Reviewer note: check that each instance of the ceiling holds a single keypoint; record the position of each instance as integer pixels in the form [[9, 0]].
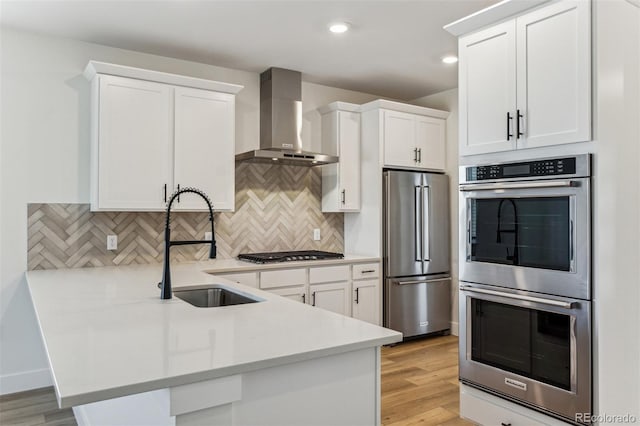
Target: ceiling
[[394, 47]]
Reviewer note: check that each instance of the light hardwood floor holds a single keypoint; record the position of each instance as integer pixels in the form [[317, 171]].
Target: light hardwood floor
[[419, 386]]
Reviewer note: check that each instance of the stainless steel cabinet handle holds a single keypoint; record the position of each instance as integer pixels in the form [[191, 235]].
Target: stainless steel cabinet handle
[[344, 191], [415, 155], [357, 295], [313, 299], [517, 185], [550, 302], [419, 155], [434, 280]]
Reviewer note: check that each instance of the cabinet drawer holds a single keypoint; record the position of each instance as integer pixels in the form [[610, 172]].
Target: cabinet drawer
[[296, 293], [283, 278], [327, 274], [366, 270], [245, 278]]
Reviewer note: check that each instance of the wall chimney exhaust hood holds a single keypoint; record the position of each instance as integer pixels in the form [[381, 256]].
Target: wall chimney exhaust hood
[[281, 122]]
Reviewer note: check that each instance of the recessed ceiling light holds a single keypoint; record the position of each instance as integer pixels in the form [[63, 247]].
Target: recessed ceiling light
[[450, 59], [339, 27]]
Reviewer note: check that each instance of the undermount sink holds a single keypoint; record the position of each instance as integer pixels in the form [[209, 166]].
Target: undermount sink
[[214, 296]]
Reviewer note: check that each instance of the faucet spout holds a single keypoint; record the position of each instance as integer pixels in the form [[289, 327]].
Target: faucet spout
[[165, 284]]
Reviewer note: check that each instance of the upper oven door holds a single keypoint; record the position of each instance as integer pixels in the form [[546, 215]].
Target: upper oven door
[[528, 235]]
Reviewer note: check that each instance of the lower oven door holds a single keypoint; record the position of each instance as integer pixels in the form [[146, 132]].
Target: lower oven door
[[531, 348]]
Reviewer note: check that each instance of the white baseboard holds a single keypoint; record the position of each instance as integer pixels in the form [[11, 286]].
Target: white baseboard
[[24, 381], [454, 328]]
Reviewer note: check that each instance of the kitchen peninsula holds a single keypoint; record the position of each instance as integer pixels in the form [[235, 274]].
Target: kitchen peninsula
[[113, 344]]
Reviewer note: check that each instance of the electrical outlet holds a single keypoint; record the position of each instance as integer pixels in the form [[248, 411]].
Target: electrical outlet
[[112, 242], [316, 234], [208, 236]]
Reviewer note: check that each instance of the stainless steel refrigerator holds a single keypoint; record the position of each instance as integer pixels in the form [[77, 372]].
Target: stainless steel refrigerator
[[417, 295]]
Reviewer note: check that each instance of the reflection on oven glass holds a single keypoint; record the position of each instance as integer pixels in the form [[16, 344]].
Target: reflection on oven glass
[[532, 232], [528, 342]]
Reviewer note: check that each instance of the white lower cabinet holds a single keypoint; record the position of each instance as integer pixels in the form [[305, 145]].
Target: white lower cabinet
[[299, 294], [346, 289], [366, 301], [333, 297]]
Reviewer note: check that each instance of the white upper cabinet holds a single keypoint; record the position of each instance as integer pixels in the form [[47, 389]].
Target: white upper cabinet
[[410, 136], [150, 134], [487, 90], [526, 82], [554, 74], [341, 137], [204, 146], [132, 164]]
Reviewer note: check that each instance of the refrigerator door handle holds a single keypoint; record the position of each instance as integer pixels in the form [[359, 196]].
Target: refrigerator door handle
[[434, 280], [426, 237], [418, 222]]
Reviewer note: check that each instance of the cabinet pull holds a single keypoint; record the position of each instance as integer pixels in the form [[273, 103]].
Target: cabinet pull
[[178, 194], [505, 424], [165, 192], [344, 191], [313, 299], [415, 155], [509, 118], [357, 295], [304, 296], [519, 116], [419, 155], [367, 271]]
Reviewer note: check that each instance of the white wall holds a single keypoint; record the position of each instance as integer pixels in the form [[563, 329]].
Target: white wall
[[448, 101], [44, 156], [617, 208]]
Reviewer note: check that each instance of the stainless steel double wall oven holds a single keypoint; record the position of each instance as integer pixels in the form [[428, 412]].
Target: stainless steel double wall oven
[[525, 282]]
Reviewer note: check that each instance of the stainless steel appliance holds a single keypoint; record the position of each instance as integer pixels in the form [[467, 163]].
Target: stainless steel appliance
[[286, 256], [525, 288], [281, 122], [417, 298], [527, 225]]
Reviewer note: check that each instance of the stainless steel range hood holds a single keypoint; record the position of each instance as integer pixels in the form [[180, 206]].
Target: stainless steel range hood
[[281, 122]]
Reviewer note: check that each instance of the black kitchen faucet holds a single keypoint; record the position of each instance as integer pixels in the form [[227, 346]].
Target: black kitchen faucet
[[165, 285]]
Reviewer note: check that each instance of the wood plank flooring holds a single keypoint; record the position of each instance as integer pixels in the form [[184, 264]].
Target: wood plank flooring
[[419, 386], [420, 383]]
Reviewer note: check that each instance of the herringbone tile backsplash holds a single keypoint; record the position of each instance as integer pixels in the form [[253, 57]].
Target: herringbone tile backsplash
[[277, 208]]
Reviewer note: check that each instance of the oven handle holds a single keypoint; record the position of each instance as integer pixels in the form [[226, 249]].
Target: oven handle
[[517, 185], [566, 305]]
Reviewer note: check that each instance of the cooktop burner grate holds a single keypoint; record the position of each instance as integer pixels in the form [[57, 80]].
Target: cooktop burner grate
[[286, 256]]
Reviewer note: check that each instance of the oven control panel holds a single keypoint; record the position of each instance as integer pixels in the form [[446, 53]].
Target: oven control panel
[[538, 168]]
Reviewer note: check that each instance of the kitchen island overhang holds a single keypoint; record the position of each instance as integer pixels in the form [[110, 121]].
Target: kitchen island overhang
[[108, 335]]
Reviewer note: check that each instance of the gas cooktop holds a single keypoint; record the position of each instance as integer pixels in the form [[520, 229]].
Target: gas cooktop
[[286, 256]]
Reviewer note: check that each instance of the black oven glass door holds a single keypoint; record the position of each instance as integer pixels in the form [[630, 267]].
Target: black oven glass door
[[533, 232], [528, 342]]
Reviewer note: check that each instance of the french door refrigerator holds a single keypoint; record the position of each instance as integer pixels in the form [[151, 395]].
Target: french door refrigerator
[[416, 295]]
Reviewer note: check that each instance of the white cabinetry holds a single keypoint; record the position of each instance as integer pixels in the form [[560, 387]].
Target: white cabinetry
[[341, 137], [366, 293], [526, 82], [151, 133], [329, 288], [411, 137]]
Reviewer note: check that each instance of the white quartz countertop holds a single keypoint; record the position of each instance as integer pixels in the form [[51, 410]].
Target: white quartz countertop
[[108, 334], [219, 266]]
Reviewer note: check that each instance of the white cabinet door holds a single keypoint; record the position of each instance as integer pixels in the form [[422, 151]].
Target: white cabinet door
[[487, 85], [294, 293], [366, 300], [204, 147], [332, 297], [349, 165], [341, 181], [554, 74], [134, 144], [430, 141], [399, 139]]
